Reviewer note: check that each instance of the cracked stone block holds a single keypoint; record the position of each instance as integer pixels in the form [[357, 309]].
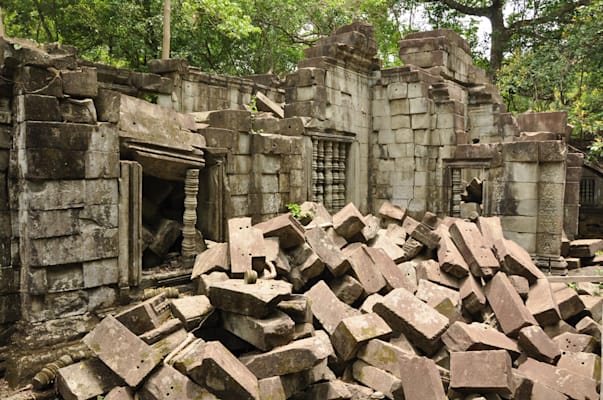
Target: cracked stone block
[[352, 332], [191, 310], [481, 372], [85, 380], [296, 356], [257, 300], [542, 304], [212, 259], [477, 336], [168, 383], [264, 333], [146, 316], [378, 380], [510, 311], [122, 351], [537, 345], [405, 313], [327, 308]]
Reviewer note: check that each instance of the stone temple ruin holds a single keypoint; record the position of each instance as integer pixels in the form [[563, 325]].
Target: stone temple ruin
[[108, 174]]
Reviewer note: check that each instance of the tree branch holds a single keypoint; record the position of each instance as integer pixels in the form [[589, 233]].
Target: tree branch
[[551, 16], [476, 11]]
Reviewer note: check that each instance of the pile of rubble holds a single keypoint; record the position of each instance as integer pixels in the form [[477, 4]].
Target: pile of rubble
[[352, 307]]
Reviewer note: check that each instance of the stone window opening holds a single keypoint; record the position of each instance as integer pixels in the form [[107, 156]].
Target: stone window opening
[[587, 191], [466, 191], [329, 163]]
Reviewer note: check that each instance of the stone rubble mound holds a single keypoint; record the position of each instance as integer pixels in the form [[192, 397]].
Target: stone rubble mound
[[352, 307]]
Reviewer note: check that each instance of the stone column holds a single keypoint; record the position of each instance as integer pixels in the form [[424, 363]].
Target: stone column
[[189, 219]]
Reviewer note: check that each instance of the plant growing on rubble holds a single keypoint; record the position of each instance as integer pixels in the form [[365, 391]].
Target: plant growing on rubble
[[296, 212]]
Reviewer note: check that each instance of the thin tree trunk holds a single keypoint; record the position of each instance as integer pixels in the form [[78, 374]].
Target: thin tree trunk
[[167, 11], [1, 24]]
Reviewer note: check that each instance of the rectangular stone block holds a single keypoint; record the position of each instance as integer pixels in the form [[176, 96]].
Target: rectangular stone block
[[348, 222], [34, 107], [405, 313], [378, 380], [542, 304], [286, 228], [191, 310], [100, 272], [327, 251], [80, 83], [122, 351], [393, 275], [467, 237], [85, 380], [510, 311], [481, 372], [256, 300], [352, 332], [327, 308], [476, 336], [450, 258], [387, 244], [245, 243], [146, 316], [364, 269], [537, 345], [264, 333], [168, 383]]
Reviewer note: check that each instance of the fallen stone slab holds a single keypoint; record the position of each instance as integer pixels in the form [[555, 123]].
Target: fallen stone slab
[[378, 380], [168, 383], [412, 248], [430, 270], [521, 285], [392, 212], [450, 258], [433, 294], [585, 364], [364, 269], [191, 310], [257, 300], [396, 234], [146, 316], [354, 331], [120, 393], [85, 380], [288, 230], [297, 307], [467, 237], [271, 388], [327, 251], [213, 259], [409, 269], [517, 261], [542, 304], [331, 390], [327, 308], [588, 326], [562, 380], [122, 351], [244, 243], [487, 371], [472, 295], [169, 343], [575, 342], [348, 222], [370, 229], [393, 275], [510, 311], [593, 305], [384, 242], [297, 356], [264, 333], [419, 322], [477, 336], [207, 280], [570, 304], [297, 383], [537, 345], [346, 288], [165, 329], [585, 247]]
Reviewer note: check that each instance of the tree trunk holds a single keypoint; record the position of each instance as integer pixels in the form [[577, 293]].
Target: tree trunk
[[167, 16], [499, 40]]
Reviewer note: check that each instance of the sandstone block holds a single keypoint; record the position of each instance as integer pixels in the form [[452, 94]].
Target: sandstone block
[[288, 229], [120, 393], [585, 247], [212, 259], [327, 251], [346, 288], [245, 244], [297, 307], [86, 379], [331, 390], [430, 270], [384, 242], [265, 333], [327, 308], [588, 326], [517, 261], [404, 313], [542, 304], [521, 285], [168, 383], [122, 351], [508, 307], [433, 294], [562, 380], [575, 342], [472, 295], [392, 211], [569, 302], [364, 269], [256, 300], [296, 356], [450, 258], [354, 331], [80, 83], [467, 237], [537, 345], [348, 222], [593, 304], [148, 315], [378, 380], [476, 336], [393, 275], [271, 388], [191, 310], [585, 364], [487, 371]]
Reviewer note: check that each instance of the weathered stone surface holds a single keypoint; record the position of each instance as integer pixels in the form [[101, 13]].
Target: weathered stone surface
[[80, 83], [212, 259], [118, 348], [537, 345], [467, 237], [404, 313], [419, 375], [542, 304], [521, 285], [472, 295], [430, 270], [569, 302], [588, 326], [223, 374], [327, 308], [586, 364], [168, 383], [585, 247], [245, 243], [562, 380], [256, 300], [155, 335], [575, 342], [364, 269], [265, 333], [288, 229], [348, 222], [80, 111], [449, 256], [85, 380], [120, 393], [331, 390], [508, 307], [425, 235], [378, 380], [433, 294], [191, 310], [297, 383], [387, 244], [346, 288], [594, 305], [297, 307], [207, 280], [170, 342], [145, 316], [327, 251], [394, 276], [297, 356], [516, 261], [271, 388], [476, 336], [392, 211], [352, 332], [482, 372]]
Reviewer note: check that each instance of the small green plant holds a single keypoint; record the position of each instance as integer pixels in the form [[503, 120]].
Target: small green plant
[[572, 285], [253, 106], [296, 212]]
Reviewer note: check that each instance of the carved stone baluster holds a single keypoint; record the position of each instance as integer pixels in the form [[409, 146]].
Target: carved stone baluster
[[321, 171], [314, 170], [343, 156], [189, 219]]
